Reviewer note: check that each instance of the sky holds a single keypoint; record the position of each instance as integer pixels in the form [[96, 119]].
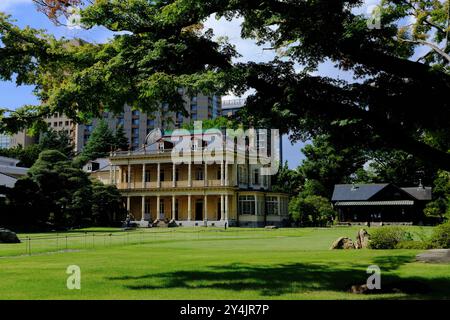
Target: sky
[[25, 13]]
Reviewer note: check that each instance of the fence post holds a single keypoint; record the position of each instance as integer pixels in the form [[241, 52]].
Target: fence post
[[29, 246]]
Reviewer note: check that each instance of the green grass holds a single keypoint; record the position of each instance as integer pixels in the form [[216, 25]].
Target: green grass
[[211, 263]]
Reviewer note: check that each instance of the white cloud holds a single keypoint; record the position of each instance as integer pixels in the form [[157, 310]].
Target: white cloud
[[8, 5]]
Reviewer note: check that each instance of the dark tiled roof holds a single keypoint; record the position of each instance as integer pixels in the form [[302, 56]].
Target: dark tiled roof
[[419, 193], [358, 192]]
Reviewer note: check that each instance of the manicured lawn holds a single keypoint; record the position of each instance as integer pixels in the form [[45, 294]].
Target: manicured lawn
[[211, 264]]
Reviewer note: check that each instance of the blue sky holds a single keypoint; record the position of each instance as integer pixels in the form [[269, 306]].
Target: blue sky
[[25, 13]]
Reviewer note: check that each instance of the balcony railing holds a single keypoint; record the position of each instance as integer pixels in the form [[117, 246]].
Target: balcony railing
[[167, 184]]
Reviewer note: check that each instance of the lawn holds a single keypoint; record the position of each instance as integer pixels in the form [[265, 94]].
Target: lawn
[[211, 264]]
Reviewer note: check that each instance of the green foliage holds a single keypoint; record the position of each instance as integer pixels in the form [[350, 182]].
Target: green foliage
[[159, 47], [311, 210], [440, 206], [121, 141], [49, 140], [286, 180], [400, 168], [57, 140], [65, 189], [56, 193], [327, 164], [411, 244], [440, 239], [216, 123], [388, 237], [101, 142], [107, 206], [27, 156]]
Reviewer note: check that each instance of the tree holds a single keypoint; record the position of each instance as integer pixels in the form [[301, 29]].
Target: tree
[[64, 192], [49, 140], [107, 205], [327, 164], [400, 168], [216, 123], [26, 156], [157, 51], [121, 141], [57, 140], [56, 194], [286, 180], [311, 210], [101, 142], [440, 206]]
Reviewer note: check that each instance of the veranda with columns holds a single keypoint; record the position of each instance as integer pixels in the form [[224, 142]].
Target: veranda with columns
[[195, 194], [154, 188]]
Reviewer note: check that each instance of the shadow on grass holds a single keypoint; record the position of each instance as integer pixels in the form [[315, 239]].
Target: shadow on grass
[[277, 280]]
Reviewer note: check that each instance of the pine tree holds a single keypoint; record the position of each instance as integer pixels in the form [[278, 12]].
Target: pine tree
[[99, 144], [121, 141]]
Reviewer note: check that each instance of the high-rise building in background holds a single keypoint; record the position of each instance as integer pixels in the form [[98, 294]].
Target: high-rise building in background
[[137, 124], [231, 106], [22, 139], [5, 141]]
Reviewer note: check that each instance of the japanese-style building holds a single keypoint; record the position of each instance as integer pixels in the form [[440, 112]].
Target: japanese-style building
[[380, 202]]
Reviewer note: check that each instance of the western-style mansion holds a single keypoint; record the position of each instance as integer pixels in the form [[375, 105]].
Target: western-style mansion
[[197, 193]]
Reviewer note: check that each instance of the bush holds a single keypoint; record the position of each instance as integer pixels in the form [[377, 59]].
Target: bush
[[311, 210], [410, 244], [388, 237], [440, 239]]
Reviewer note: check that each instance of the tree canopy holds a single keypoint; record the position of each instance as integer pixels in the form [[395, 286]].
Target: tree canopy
[[398, 98]]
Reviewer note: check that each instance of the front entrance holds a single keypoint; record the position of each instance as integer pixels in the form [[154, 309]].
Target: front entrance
[[219, 210], [161, 210], [199, 210]]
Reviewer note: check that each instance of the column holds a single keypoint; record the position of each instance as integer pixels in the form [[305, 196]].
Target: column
[[174, 170], [221, 174], [129, 176], [205, 180], [235, 173], [190, 175], [173, 207], [158, 214], [226, 207], [189, 208], [143, 176], [222, 207], [256, 205], [279, 205], [114, 173], [158, 173], [143, 208], [226, 174], [128, 203], [111, 174], [205, 200]]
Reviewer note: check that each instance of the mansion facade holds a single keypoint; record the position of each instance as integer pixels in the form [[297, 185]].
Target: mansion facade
[[154, 188]]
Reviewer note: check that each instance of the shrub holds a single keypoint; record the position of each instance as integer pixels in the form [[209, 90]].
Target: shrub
[[311, 210], [440, 239], [410, 244], [388, 237]]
